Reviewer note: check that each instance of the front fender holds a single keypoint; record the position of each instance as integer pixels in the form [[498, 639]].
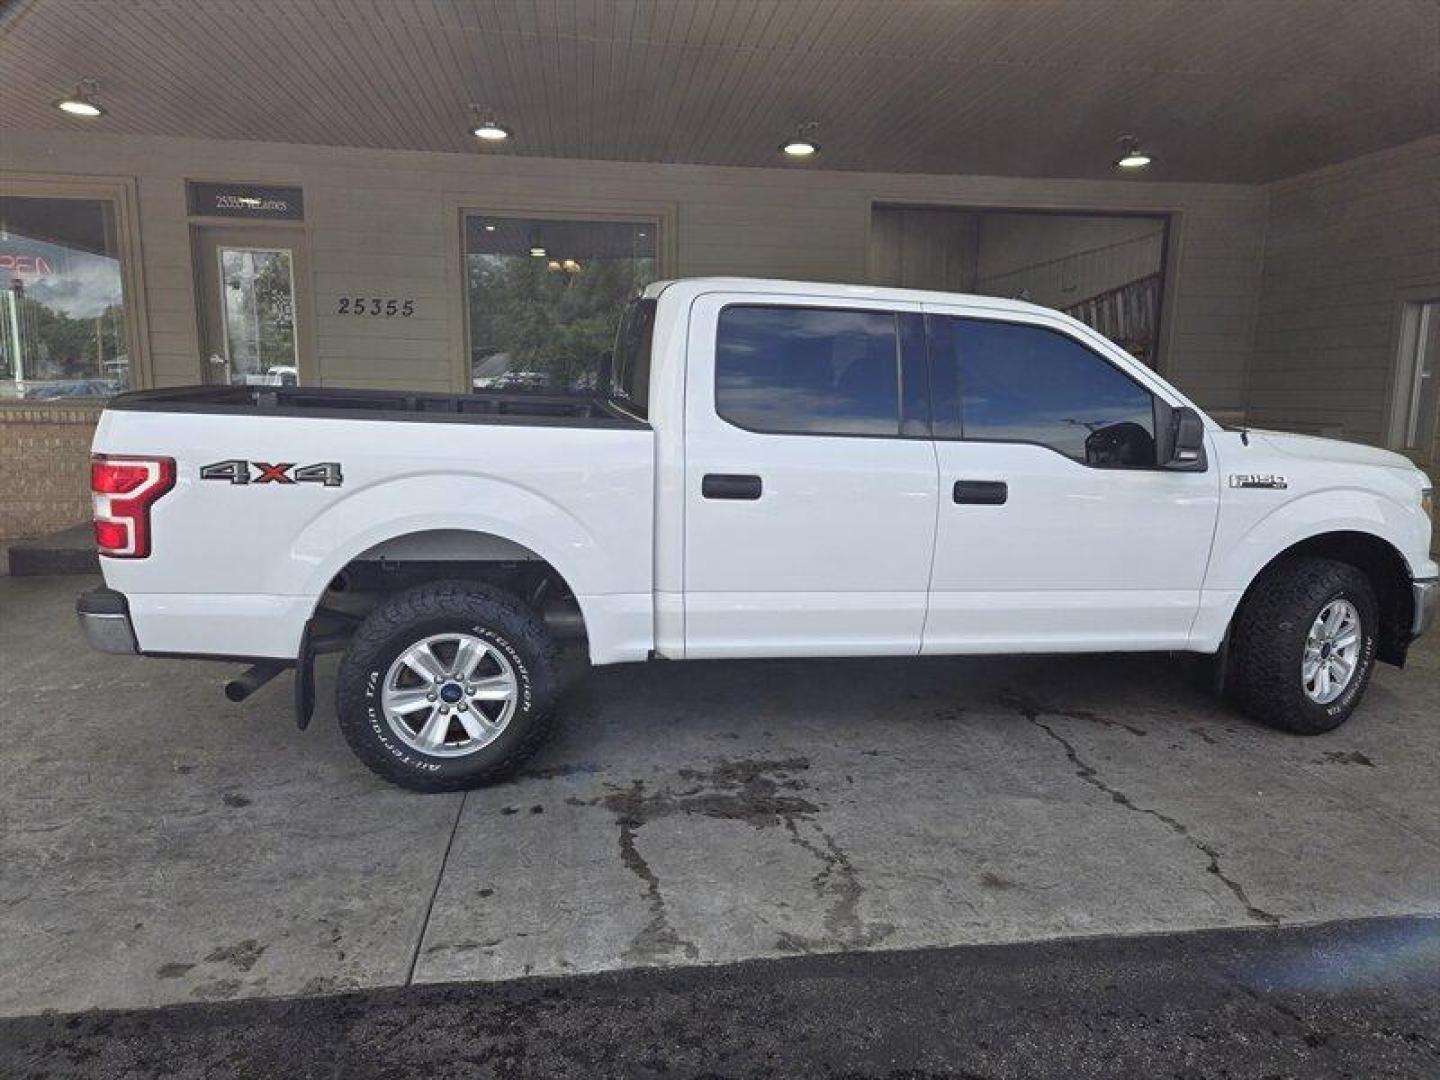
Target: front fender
[[1246, 543]]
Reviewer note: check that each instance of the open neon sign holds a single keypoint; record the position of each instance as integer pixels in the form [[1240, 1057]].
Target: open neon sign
[[22, 265]]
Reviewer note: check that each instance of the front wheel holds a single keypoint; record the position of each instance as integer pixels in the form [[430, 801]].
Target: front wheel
[[1303, 648], [447, 686]]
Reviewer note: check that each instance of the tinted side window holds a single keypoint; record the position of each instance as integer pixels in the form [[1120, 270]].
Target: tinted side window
[[808, 371], [1015, 383]]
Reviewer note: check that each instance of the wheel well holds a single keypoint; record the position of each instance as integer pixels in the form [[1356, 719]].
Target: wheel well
[[458, 555], [1385, 567]]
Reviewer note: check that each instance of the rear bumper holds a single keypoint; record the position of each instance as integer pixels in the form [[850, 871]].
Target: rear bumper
[[1426, 595], [105, 621]]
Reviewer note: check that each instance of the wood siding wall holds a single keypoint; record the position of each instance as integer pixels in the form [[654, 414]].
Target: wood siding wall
[[382, 223], [1341, 245]]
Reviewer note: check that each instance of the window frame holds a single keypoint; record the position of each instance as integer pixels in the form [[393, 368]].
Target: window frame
[[120, 192], [1160, 409], [911, 366]]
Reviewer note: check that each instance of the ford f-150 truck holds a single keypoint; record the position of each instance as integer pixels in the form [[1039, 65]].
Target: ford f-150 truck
[[767, 469]]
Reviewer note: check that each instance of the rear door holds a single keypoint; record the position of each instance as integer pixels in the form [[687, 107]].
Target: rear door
[[1057, 530], [810, 478]]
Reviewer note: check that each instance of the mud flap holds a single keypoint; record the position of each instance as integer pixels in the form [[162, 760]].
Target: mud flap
[[329, 631], [305, 680]]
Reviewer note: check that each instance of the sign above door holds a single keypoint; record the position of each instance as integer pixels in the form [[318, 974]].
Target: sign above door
[[245, 201]]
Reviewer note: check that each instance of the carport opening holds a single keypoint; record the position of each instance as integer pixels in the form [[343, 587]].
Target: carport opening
[[1105, 269]]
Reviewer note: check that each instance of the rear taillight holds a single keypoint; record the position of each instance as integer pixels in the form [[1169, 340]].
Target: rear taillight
[[123, 489]]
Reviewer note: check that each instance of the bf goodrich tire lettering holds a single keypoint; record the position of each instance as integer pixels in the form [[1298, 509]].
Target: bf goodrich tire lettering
[[426, 630], [1272, 632]]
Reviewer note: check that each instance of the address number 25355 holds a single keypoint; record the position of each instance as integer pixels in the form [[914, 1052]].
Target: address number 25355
[[381, 307]]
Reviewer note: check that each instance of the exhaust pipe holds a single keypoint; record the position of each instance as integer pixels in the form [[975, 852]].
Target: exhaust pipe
[[245, 684]]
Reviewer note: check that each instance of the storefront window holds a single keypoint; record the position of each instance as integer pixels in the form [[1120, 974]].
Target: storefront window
[[545, 297], [62, 317]]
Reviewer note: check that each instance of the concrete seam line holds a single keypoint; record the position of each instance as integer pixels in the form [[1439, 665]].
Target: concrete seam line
[[434, 892]]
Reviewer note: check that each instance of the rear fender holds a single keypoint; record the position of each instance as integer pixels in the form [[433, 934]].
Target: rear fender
[[447, 501]]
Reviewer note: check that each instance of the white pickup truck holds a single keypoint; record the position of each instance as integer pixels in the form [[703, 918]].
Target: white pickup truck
[[771, 469]]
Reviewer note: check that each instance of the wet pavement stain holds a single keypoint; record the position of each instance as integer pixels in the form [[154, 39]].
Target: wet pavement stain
[[1025, 704], [1344, 757], [242, 955], [761, 793]]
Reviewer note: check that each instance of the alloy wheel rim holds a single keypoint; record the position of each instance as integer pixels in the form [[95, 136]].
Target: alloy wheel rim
[[449, 695], [1332, 652]]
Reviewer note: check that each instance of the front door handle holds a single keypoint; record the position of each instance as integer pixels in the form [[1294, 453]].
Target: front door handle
[[730, 486], [981, 492]]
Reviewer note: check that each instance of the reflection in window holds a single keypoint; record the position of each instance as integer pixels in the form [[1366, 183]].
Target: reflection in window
[[259, 300], [1014, 383], [62, 317], [813, 371], [545, 297]]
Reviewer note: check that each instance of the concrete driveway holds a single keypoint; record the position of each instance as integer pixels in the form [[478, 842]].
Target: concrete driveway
[[159, 844]]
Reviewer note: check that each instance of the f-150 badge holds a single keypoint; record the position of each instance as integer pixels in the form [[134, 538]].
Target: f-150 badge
[[238, 471], [1270, 481]]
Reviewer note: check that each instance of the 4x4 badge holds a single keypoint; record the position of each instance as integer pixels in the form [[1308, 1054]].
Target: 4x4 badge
[[1258, 480], [237, 471]]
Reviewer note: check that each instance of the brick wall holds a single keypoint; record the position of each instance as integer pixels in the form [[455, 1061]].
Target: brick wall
[[44, 467]]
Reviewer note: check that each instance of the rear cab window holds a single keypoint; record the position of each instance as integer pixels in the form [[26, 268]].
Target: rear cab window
[[629, 386], [791, 370]]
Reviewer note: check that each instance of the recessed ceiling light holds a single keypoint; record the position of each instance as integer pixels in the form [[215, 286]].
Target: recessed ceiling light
[[802, 144], [490, 130], [82, 102], [1132, 156]]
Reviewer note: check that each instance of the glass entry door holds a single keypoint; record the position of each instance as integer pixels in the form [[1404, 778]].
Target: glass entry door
[[252, 282]]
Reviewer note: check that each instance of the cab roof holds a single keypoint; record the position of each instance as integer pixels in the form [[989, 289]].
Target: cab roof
[[840, 291]]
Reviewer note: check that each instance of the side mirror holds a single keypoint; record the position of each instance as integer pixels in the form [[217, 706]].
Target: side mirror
[[1186, 449]]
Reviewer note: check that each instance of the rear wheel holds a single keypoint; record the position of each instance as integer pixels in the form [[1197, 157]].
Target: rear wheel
[[447, 686], [1303, 648]]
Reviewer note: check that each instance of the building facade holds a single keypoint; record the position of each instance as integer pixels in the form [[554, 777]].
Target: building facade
[[1311, 303]]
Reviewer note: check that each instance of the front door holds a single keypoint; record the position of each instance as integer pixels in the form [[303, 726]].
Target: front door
[[809, 497], [253, 282], [1057, 532]]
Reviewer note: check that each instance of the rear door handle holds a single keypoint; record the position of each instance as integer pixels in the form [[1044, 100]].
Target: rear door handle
[[730, 486], [982, 492]]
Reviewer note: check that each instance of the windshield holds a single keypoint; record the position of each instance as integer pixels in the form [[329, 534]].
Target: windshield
[[630, 369]]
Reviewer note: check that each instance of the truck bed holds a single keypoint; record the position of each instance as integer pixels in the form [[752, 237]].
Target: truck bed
[[483, 407]]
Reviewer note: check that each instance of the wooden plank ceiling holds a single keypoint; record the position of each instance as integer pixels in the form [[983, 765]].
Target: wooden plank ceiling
[[1219, 90]]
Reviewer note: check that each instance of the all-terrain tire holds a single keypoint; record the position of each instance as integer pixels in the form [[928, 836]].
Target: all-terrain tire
[[493, 616], [1269, 637]]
